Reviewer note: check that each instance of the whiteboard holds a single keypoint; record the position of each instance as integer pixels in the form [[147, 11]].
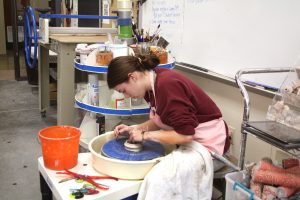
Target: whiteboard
[[225, 36]]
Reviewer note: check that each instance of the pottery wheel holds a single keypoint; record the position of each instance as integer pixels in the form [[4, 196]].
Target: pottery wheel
[[115, 149]]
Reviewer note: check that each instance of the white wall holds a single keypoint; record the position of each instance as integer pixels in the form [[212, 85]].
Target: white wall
[[230, 101], [2, 30]]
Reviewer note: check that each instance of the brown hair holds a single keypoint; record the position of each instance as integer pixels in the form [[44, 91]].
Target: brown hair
[[120, 67]]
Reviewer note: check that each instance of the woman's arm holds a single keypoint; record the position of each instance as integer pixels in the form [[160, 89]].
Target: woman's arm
[[166, 137], [147, 126], [123, 129]]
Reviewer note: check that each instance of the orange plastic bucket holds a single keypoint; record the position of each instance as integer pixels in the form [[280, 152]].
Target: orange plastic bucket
[[60, 146]]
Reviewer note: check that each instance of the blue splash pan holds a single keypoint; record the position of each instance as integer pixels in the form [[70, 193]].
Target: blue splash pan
[[115, 149]]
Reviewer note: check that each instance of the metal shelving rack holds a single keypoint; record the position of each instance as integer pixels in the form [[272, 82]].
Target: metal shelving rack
[[136, 110], [260, 129]]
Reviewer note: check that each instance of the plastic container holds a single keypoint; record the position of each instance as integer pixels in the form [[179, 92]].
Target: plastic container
[[103, 58], [136, 101], [60, 146], [161, 53], [119, 50], [77, 50], [104, 93], [117, 100], [93, 89], [235, 190], [83, 50], [125, 31]]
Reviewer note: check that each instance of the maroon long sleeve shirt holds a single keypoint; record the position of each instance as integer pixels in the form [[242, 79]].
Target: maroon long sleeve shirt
[[180, 103]]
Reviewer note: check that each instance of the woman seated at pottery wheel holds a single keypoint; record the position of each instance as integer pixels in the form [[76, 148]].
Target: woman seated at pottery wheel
[[181, 113]]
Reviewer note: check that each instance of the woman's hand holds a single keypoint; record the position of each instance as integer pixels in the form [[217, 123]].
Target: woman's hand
[[122, 130], [136, 135]]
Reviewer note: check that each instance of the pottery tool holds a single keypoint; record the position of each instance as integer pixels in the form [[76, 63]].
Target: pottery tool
[[162, 42], [154, 36], [157, 30], [142, 35], [155, 33], [135, 30], [89, 179]]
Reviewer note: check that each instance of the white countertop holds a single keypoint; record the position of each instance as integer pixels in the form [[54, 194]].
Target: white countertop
[[118, 189]]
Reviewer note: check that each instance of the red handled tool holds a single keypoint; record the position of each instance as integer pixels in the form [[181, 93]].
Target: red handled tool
[[89, 178]]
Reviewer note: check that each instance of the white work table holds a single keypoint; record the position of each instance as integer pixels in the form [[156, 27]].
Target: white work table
[[64, 46], [50, 181]]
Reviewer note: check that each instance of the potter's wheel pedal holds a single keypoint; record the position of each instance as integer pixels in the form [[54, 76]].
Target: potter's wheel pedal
[[115, 149]]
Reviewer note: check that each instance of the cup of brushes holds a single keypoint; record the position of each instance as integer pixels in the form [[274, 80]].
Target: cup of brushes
[[146, 48]]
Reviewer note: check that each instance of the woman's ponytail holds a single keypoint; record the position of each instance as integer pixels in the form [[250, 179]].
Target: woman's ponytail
[[149, 61], [120, 67]]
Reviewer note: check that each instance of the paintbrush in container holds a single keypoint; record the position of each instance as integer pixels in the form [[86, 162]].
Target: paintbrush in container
[[135, 31], [154, 36]]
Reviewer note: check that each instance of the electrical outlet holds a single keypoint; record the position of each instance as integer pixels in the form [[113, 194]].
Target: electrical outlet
[[231, 130]]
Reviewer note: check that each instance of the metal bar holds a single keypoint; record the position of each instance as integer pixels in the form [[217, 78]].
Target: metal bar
[[77, 30], [243, 143], [59, 16], [243, 89], [43, 71], [245, 95], [225, 161], [15, 39]]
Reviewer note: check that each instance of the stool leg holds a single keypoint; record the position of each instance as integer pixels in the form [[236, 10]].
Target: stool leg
[[223, 188], [220, 185], [45, 190]]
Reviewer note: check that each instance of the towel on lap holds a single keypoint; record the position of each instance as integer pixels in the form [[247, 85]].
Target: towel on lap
[[186, 173]]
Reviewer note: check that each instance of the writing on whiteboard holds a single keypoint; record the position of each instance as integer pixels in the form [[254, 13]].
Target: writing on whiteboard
[[165, 13]]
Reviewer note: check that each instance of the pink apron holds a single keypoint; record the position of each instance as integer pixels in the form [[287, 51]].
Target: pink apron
[[211, 134]]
